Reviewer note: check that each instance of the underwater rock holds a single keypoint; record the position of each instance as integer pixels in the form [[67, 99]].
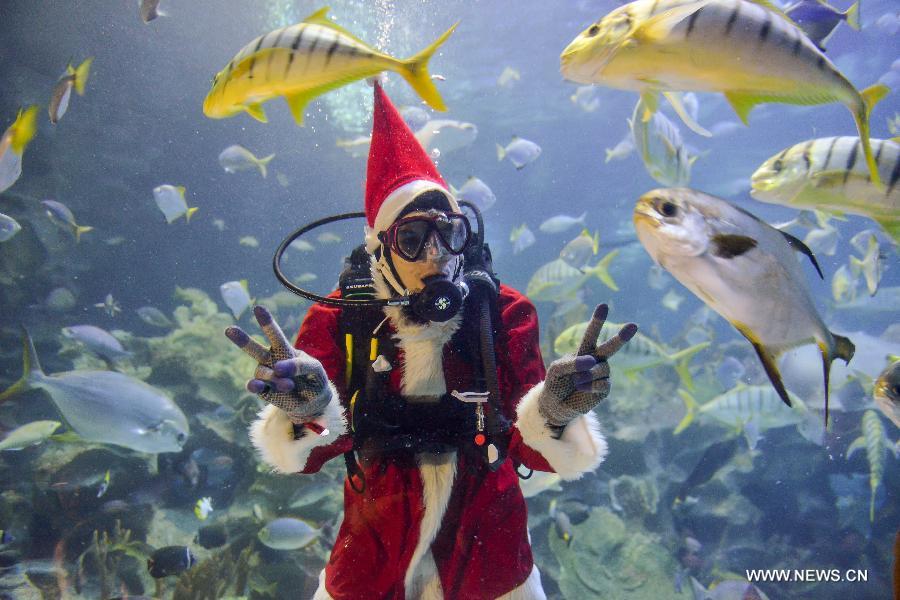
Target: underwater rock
[[609, 559], [634, 497]]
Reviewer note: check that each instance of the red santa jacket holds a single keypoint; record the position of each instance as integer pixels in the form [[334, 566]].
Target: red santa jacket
[[471, 522]]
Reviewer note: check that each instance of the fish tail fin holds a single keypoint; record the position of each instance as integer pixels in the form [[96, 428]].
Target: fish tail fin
[[682, 363], [891, 226], [601, 270], [691, 406], [852, 16], [262, 163], [870, 97], [31, 369], [415, 71], [24, 129], [501, 153], [79, 229], [872, 506], [844, 349], [190, 212], [81, 75]]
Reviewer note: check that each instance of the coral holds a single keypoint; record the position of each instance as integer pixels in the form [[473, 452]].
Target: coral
[[197, 352], [215, 577], [106, 552], [607, 559]]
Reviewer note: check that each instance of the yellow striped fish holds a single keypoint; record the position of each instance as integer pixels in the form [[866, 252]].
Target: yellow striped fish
[[304, 61], [875, 441], [746, 49], [752, 410], [826, 174], [644, 353]]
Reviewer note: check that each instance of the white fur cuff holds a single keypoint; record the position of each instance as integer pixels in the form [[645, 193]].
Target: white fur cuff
[[273, 435], [581, 448]]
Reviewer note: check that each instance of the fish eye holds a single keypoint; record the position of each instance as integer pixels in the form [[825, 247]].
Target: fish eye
[[778, 165], [668, 209], [181, 437], [594, 30]]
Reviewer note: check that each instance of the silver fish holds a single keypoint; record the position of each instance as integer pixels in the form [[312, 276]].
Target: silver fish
[[446, 135], [236, 158], [107, 407], [658, 142], [62, 217], [153, 316], [288, 534], [171, 202], [236, 297], [97, 340], [8, 228], [520, 152], [743, 269], [478, 193], [560, 223], [521, 238]]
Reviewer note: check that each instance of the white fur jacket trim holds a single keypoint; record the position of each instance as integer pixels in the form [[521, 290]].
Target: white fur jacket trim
[[579, 450], [273, 435]]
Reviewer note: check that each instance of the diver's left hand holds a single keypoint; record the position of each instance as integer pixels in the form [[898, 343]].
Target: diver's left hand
[[575, 384]]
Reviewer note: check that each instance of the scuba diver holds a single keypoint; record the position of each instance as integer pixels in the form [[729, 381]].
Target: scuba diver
[[425, 373]]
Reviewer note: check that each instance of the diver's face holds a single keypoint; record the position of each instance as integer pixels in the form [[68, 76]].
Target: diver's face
[[434, 259]]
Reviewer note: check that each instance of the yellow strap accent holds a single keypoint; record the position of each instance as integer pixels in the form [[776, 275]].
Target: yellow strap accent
[[348, 349], [373, 349], [353, 404]]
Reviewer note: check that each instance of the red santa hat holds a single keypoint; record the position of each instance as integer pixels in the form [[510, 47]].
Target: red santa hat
[[399, 170]]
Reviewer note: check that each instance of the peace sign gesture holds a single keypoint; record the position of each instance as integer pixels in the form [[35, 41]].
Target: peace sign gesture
[[576, 384], [289, 378]]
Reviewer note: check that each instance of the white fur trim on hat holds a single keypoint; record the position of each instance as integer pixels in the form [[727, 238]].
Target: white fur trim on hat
[[579, 450], [273, 435], [394, 204]]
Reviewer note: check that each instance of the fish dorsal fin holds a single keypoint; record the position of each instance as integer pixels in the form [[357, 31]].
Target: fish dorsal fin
[[659, 26], [320, 17], [674, 99], [726, 245], [772, 8], [799, 246]]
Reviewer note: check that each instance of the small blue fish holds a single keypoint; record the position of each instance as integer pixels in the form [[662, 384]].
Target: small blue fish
[[8, 227], [818, 20], [63, 218]]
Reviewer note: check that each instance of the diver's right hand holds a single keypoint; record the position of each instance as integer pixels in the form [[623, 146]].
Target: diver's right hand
[[286, 377]]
